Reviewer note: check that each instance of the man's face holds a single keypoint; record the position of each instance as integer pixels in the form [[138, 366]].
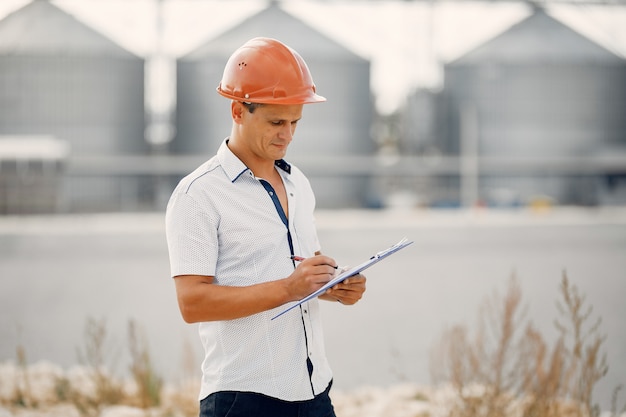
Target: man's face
[[269, 130]]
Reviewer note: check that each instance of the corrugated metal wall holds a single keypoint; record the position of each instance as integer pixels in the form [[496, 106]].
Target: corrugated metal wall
[[95, 103]]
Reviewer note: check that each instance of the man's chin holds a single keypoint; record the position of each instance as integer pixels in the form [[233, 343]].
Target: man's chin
[[280, 153]]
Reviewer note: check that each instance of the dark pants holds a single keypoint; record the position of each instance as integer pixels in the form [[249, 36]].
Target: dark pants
[[250, 404]]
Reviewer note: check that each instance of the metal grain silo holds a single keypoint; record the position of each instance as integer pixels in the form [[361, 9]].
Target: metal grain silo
[[539, 90], [328, 131], [60, 78]]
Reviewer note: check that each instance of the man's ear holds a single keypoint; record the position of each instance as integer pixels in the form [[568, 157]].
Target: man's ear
[[236, 111]]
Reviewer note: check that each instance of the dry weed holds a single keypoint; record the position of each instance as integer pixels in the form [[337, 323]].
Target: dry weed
[[508, 368], [148, 383]]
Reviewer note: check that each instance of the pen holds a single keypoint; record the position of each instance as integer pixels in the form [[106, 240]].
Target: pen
[[300, 259]]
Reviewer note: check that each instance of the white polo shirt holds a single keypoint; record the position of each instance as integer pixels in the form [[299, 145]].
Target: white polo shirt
[[221, 221]]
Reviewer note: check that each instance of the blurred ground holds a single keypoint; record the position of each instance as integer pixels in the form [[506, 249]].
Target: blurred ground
[[56, 272]]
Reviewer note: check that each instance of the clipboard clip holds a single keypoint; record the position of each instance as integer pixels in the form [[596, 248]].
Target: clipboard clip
[[390, 250]]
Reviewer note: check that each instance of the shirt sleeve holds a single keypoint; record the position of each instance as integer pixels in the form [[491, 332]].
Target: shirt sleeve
[[191, 237]]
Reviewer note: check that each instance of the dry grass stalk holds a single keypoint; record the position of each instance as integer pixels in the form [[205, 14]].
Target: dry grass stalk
[[95, 356], [22, 386], [587, 365], [148, 382]]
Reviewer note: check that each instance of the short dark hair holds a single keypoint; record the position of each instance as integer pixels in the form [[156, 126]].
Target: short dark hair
[[251, 106]]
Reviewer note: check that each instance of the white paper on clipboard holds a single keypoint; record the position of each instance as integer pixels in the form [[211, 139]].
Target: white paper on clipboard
[[350, 272]]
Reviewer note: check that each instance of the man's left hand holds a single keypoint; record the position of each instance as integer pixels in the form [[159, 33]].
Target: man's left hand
[[347, 292]]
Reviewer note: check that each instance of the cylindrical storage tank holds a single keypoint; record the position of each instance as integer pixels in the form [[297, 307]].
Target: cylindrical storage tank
[[539, 90], [60, 78], [328, 131]]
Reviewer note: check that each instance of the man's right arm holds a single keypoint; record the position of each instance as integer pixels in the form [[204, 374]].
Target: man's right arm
[[200, 299]]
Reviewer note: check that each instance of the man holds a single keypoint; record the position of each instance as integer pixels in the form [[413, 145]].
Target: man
[[233, 226]]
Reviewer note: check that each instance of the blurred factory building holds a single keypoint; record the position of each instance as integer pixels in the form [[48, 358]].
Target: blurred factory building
[[537, 113], [62, 80], [534, 114]]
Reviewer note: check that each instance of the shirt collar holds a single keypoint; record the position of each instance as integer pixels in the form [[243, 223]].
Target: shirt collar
[[234, 167], [284, 165]]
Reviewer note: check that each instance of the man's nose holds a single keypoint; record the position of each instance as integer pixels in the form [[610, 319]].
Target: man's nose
[[287, 132]]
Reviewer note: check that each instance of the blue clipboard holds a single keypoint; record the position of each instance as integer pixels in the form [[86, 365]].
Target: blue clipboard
[[350, 272]]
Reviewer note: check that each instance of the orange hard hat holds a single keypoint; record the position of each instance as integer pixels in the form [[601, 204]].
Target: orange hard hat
[[264, 70]]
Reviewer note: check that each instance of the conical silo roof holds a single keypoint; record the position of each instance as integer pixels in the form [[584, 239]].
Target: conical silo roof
[[539, 39], [274, 22], [42, 28]]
